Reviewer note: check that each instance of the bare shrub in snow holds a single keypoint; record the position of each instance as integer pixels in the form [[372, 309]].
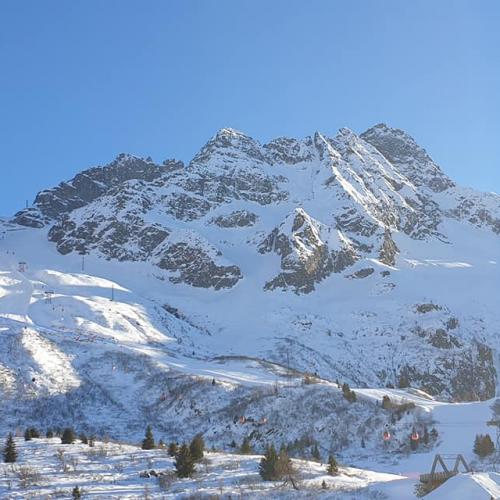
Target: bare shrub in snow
[[61, 458], [166, 480], [28, 476]]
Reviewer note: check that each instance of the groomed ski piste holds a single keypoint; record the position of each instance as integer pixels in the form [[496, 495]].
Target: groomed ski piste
[[98, 314]]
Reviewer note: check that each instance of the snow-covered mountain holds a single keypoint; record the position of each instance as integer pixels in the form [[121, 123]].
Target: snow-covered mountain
[[351, 257]]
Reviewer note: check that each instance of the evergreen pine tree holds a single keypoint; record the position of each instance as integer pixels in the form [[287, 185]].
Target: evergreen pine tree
[[27, 435], [268, 464], [403, 381], [386, 402], [363, 445], [333, 468], [483, 445], [197, 447], [68, 436], [348, 393], [487, 445], [323, 485], [148, 442], [172, 449], [345, 389], [184, 463], [161, 444], [49, 434], [83, 438], [315, 454], [76, 493], [35, 433], [477, 445], [284, 467], [426, 437], [9, 452], [245, 448]]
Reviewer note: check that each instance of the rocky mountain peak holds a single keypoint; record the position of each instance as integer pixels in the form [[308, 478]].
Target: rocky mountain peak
[[228, 146], [411, 159]]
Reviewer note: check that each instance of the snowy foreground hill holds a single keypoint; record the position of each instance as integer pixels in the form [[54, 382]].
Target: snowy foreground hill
[[248, 283]]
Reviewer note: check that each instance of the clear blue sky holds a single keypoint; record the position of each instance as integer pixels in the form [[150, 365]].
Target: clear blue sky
[[81, 81]]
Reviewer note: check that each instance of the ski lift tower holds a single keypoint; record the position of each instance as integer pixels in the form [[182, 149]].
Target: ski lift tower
[[21, 267], [48, 296]]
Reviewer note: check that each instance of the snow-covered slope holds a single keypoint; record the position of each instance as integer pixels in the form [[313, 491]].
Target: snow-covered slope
[[113, 471], [354, 258]]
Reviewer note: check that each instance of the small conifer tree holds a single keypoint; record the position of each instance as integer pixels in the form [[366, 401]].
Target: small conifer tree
[[348, 394], [172, 449], [197, 447], [386, 402], [487, 446], [10, 452], [35, 433], [148, 442], [83, 438], [68, 436], [76, 493], [184, 463], [315, 454], [333, 468], [426, 437], [27, 435], [49, 434], [245, 448], [483, 445], [268, 464]]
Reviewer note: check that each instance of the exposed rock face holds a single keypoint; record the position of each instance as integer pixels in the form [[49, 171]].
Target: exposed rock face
[[412, 160], [239, 218], [305, 258], [186, 207], [288, 151], [116, 239], [362, 273], [194, 266], [93, 183], [388, 250]]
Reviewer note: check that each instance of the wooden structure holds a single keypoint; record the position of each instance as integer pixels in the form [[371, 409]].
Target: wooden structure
[[446, 473]]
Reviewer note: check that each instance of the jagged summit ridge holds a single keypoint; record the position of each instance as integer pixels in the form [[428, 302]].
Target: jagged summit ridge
[[366, 187]]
